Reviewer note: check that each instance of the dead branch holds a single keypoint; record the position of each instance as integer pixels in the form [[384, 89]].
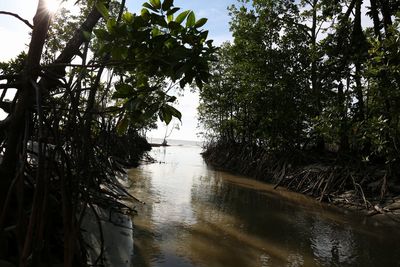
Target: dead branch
[[361, 191], [282, 176]]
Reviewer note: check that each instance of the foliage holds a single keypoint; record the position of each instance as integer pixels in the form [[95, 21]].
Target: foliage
[[88, 85], [307, 75]]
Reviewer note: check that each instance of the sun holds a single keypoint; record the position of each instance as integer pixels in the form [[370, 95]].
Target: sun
[[52, 5]]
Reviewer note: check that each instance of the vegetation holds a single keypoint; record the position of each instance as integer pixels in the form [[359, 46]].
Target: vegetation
[[89, 84], [306, 95]]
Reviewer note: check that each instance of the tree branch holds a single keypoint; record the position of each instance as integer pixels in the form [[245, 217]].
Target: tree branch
[[6, 106], [57, 69], [6, 77], [18, 17], [9, 85], [25, 101]]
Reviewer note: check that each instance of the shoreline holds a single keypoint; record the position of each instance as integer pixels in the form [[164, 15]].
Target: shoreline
[[314, 180], [158, 145]]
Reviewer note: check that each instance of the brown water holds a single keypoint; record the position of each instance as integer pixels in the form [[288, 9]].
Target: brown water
[[196, 216]]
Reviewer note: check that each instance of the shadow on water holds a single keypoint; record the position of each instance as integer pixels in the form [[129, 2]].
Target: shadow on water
[[195, 216]]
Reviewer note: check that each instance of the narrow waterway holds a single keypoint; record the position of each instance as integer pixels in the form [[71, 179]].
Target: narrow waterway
[[197, 216]]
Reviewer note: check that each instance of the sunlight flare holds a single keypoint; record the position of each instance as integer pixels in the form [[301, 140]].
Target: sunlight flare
[[52, 5]]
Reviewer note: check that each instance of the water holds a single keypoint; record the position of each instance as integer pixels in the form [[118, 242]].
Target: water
[[197, 216]]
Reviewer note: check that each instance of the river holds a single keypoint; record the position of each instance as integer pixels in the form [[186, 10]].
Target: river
[[197, 216]]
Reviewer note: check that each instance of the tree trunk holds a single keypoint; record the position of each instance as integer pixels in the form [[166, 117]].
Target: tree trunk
[[320, 142], [344, 140], [25, 98], [375, 18], [360, 46], [386, 14]]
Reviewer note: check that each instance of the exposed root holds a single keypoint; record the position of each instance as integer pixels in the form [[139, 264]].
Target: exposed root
[[348, 184]]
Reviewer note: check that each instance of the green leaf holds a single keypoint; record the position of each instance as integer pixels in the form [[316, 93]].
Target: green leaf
[[201, 22], [191, 20], [167, 112], [101, 34], [167, 117], [164, 116], [204, 35], [174, 112], [155, 3], [172, 11], [102, 9], [169, 43], [181, 17], [167, 4], [87, 35], [135, 104], [103, 49], [119, 52], [123, 91], [147, 5], [111, 24], [122, 125], [155, 32], [173, 25], [159, 20], [128, 17], [150, 111], [171, 99], [145, 14]]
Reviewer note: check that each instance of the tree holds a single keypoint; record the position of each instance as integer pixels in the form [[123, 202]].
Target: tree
[[260, 93], [307, 80], [60, 134]]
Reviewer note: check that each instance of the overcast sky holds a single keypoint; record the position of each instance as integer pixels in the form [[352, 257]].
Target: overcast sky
[[15, 38]]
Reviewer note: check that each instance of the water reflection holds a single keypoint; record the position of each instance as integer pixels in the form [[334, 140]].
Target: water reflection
[[196, 216]]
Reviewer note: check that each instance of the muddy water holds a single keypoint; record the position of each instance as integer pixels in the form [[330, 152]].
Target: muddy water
[[196, 216]]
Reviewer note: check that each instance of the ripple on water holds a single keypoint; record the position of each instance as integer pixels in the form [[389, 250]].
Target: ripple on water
[[196, 216]]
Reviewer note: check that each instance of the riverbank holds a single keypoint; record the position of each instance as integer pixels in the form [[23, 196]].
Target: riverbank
[[360, 187], [199, 216]]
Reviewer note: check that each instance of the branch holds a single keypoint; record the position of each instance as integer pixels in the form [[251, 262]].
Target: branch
[[71, 49], [7, 77], [350, 9], [9, 85], [302, 27], [6, 106], [121, 10], [73, 45], [4, 124], [18, 17]]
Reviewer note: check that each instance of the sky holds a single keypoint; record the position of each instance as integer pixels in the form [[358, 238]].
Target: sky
[[16, 38], [218, 25]]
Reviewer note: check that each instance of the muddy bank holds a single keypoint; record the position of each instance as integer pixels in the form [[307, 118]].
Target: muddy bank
[[353, 185]]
